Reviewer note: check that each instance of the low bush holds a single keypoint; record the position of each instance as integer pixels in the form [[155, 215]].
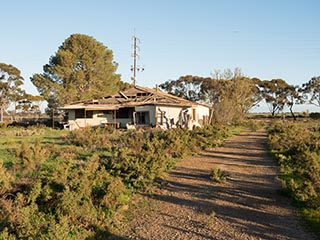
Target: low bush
[[314, 115], [254, 125], [14, 131], [73, 190], [218, 175], [296, 149]]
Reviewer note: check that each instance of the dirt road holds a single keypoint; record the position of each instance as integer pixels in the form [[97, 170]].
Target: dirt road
[[248, 205]]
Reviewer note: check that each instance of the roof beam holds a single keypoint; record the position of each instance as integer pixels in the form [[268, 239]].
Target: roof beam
[[123, 95]]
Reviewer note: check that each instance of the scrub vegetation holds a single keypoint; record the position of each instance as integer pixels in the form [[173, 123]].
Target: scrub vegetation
[[296, 147], [59, 185]]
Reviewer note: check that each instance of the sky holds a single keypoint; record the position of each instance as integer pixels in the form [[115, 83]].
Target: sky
[[265, 38]]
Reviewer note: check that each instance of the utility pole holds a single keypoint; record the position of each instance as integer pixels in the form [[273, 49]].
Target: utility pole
[[135, 56], [134, 59]]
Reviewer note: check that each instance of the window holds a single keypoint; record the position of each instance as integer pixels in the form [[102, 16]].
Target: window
[[142, 118], [124, 113], [89, 114], [79, 113]]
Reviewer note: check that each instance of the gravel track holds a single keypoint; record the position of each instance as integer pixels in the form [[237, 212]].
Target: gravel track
[[189, 205]]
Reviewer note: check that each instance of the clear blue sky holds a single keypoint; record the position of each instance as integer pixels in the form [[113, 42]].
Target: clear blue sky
[[265, 38]]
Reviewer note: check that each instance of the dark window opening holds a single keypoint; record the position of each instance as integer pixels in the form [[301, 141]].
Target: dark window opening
[[79, 113], [142, 118], [89, 114], [124, 113]]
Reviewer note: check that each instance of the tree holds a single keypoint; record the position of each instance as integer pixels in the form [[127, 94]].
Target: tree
[[231, 93], [82, 68], [30, 104], [312, 88], [187, 87], [293, 97], [10, 86], [275, 93]]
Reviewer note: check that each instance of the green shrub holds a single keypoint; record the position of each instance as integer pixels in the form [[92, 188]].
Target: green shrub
[[314, 115], [254, 125], [296, 149], [218, 175]]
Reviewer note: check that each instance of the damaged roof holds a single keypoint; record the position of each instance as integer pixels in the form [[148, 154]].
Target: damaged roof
[[131, 97]]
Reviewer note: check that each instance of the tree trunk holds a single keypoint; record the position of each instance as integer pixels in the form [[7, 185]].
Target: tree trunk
[[1, 114], [292, 113]]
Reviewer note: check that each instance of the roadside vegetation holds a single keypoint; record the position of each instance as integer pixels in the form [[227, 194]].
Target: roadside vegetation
[[59, 185], [296, 147], [218, 175]]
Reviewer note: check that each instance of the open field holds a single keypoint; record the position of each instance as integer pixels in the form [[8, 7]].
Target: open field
[[67, 185], [77, 185], [11, 138]]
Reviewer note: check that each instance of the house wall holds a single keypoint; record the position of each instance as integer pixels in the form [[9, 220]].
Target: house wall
[[98, 117], [84, 122], [201, 112], [71, 114], [199, 116], [196, 115], [169, 113]]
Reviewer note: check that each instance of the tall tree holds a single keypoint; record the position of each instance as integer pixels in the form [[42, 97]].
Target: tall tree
[[275, 93], [294, 97], [311, 91], [10, 86], [82, 68], [232, 94]]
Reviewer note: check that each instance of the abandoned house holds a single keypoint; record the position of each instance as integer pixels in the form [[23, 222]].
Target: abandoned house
[[137, 107]]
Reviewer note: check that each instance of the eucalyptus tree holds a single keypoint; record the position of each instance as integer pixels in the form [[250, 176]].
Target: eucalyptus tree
[[10, 86], [275, 92], [229, 92], [311, 91], [187, 87], [293, 97]]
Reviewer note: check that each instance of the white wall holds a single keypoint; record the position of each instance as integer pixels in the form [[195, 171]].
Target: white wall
[[96, 120], [84, 122], [202, 111], [170, 112]]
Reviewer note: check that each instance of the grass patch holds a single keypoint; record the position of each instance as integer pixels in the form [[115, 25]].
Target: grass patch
[[12, 138]]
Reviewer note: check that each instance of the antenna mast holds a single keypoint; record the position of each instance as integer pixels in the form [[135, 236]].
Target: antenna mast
[[135, 55]]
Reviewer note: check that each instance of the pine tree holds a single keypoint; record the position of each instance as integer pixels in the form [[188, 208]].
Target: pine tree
[[82, 68]]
